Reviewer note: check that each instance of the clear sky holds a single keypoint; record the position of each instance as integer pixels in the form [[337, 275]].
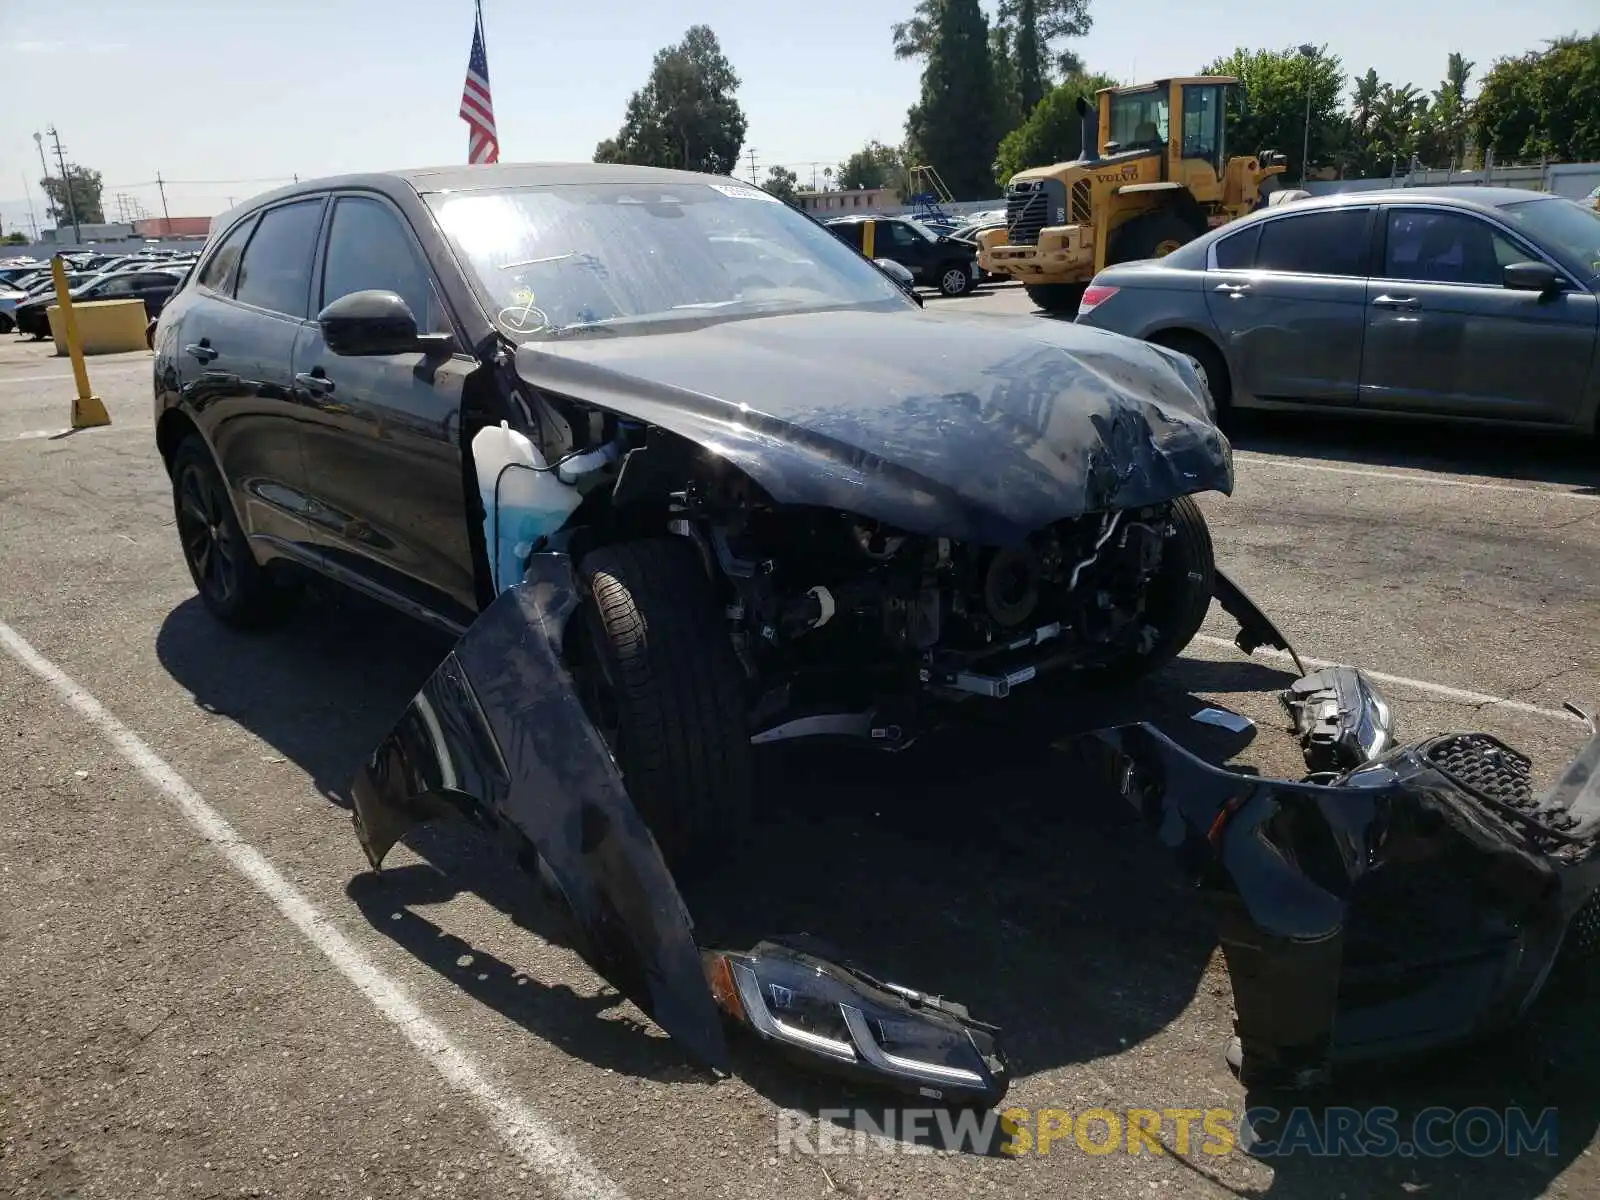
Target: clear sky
[[249, 93]]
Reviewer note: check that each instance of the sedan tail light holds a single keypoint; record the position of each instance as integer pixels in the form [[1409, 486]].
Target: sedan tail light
[[1094, 296]]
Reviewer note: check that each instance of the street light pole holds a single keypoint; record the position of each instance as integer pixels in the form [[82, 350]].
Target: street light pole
[[1310, 53]]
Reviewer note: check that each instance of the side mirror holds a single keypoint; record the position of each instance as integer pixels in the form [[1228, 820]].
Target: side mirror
[[1531, 277], [375, 323], [903, 277]]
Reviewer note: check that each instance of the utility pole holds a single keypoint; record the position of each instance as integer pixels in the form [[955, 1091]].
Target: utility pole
[[166, 217], [1309, 52], [28, 196], [44, 183], [753, 166], [66, 179]]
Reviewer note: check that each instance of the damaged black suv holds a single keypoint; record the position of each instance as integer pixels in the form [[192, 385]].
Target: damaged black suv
[[794, 502], [686, 476]]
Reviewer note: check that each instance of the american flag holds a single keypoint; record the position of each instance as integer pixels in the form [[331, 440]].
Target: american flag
[[477, 105]]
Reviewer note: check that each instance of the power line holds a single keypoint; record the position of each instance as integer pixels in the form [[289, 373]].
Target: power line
[[752, 153]]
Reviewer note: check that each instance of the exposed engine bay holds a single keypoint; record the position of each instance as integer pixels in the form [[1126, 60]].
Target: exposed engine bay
[[830, 602], [843, 622]]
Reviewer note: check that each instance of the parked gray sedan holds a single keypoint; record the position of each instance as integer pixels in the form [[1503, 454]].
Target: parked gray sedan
[[1475, 303]]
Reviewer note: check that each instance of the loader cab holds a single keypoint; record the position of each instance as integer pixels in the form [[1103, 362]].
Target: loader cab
[[1183, 120]]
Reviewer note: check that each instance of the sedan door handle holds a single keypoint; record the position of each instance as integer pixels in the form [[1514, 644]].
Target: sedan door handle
[[1233, 289], [314, 381], [201, 350], [1399, 302]]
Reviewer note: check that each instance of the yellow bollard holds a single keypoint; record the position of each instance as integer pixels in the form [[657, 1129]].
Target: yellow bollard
[[87, 410]]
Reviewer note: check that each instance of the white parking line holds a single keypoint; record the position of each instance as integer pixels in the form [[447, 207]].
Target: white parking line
[[1444, 691], [95, 369], [529, 1136], [1297, 464]]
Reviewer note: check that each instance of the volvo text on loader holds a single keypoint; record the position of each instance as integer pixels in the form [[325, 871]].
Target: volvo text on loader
[[1154, 173]]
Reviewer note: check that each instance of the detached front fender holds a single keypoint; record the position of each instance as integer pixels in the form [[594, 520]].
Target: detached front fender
[[499, 738]]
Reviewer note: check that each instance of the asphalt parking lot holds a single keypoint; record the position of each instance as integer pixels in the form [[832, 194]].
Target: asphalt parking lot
[[207, 994]]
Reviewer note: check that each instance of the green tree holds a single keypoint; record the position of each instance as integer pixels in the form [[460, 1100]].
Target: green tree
[[1053, 132], [1009, 112], [1039, 26], [1032, 29], [85, 197], [1544, 103], [1273, 115], [686, 115], [953, 124], [782, 183], [16, 238], [873, 166], [1398, 118]]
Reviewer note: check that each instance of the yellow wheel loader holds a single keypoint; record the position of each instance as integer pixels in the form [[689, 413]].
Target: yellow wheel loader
[[1154, 173]]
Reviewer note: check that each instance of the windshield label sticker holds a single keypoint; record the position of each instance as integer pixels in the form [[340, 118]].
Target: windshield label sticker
[[739, 192]]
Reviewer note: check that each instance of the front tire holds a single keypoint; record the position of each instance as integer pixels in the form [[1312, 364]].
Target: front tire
[[955, 280], [1176, 600], [1154, 235], [659, 678], [235, 589], [1057, 299]]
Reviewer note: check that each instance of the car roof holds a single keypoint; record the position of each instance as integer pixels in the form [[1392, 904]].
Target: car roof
[[431, 180], [1483, 198], [1476, 199]]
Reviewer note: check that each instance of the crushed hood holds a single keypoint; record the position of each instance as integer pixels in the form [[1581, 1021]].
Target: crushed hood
[[982, 428]]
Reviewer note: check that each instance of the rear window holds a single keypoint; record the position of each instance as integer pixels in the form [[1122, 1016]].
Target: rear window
[[218, 273], [1238, 251], [1316, 243]]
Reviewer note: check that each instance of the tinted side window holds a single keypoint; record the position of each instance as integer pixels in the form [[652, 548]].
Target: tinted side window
[[1238, 251], [117, 285], [370, 249], [275, 273], [848, 233], [900, 237], [1318, 243], [218, 273], [1445, 247]]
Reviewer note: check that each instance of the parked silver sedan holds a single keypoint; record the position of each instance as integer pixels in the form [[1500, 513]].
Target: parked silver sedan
[[1468, 303]]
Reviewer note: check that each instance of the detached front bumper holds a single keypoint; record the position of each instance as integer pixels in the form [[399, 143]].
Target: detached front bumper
[[1414, 898], [1395, 899]]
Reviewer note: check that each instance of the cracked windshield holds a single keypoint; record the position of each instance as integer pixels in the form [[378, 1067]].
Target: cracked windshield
[[577, 259]]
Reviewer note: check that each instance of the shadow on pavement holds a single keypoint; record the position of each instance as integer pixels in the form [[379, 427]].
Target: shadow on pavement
[[985, 864], [1500, 455]]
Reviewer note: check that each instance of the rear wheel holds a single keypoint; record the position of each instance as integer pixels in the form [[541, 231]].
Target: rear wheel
[[1154, 235], [1056, 298], [1209, 364], [235, 589], [659, 678], [1176, 600]]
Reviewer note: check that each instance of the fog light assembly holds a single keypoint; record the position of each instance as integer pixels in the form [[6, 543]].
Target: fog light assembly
[[837, 1019]]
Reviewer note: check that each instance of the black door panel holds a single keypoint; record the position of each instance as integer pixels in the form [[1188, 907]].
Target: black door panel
[[382, 435]]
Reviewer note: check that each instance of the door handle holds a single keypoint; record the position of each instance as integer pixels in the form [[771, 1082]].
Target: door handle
[[314, 381], [1233, 289], [1396, 302], [201, 350]]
